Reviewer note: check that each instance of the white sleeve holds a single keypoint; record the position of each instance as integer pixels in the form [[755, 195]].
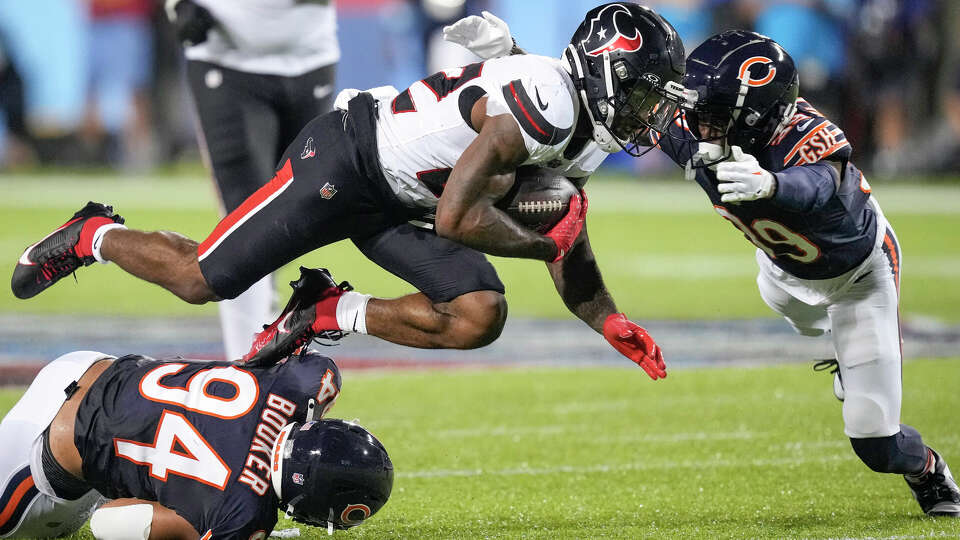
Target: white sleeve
[[543, 109]]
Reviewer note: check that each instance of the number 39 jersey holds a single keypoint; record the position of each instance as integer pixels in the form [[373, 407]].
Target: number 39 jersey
[[423, 131], [197, 436], [832, 232]]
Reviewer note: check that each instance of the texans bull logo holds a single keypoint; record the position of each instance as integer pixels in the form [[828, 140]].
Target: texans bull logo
[[618, 41], [309, 149]]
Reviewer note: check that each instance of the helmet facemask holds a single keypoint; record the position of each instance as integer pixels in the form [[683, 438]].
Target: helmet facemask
[[625, 108], [626, 63], [727, 125]]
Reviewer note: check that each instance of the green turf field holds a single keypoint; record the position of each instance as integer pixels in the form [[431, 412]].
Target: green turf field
[[664, 252], [706, 453]]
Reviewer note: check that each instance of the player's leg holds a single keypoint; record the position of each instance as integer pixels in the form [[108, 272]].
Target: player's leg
[[805, 319], [242, 137], [866, 335], [461, 303], [29, 508]]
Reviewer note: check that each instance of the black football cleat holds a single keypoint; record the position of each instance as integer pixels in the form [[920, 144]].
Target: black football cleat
[[56, 255], [309, 314], [936, 491]]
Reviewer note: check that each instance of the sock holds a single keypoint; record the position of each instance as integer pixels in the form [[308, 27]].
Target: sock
[[352, 312], [91, 237], [931, 462]]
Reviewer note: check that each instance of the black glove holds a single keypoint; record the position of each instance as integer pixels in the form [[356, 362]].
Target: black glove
[[191, 22]]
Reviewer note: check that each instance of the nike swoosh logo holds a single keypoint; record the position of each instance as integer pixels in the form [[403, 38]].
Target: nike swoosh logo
[[282, 327], [536, 92], [805, 125], [26, 261]]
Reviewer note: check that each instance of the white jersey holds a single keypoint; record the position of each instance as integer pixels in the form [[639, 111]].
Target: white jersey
[[271, 37], [423, 131]]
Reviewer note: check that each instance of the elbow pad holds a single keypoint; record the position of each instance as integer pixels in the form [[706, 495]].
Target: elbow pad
[[131, 522]]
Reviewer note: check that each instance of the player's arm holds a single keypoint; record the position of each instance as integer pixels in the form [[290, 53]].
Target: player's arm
[[125, 519], [482, 175], [802, 188], [579, 282], [805, 188]]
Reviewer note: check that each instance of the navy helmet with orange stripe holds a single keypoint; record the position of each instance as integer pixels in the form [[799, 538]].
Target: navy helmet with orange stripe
[[330, 473], [746, 86], [626, 62]]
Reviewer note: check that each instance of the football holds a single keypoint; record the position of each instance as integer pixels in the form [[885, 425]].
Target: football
[[538, 199]]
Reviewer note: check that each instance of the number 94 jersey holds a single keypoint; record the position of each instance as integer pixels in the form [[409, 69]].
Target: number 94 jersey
[[197, 436]]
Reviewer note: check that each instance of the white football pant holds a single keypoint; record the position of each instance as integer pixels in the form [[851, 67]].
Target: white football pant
[[860, 310], [28, 506]]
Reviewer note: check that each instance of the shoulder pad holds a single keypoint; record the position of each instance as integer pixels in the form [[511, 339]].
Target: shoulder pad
[[539, 95], [808, 137]]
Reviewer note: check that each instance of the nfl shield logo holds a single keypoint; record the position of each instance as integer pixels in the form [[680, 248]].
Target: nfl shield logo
[[298, 479], [328, 191]]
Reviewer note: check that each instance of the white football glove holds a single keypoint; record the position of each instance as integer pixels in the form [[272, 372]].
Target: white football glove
[[743, 179], [487, 36], [380, 93]]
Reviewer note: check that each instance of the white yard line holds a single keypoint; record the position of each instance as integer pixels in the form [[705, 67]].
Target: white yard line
[[623, 467], [665, 195], [564, 429]]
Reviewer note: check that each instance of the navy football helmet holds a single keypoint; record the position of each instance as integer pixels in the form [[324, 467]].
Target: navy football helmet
[[626, 63], [746, 86], [330, 473]]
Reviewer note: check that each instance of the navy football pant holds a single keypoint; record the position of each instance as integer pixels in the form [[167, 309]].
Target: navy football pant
[[319, 196]]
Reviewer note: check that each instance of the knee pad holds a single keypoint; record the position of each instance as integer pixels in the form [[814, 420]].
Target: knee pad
[[866, 417], [903, 453], [122, 522]]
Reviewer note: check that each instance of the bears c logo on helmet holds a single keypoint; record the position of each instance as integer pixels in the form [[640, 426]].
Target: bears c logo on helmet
[[617, 41], [347, 519], [745, 75]]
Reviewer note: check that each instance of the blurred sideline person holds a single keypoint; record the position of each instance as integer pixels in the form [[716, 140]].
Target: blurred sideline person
[[259, 71], [443, 151], [829, 261], [181, 449]]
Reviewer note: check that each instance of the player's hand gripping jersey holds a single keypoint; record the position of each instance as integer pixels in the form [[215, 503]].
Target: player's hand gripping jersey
[[197, 436], [423, 131], [818, 224]]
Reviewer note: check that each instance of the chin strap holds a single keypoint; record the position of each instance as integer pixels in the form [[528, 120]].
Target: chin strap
[[600, 134], [311, 410]]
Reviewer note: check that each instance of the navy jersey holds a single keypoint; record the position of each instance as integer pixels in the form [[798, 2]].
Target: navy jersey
[[818, 224], [197, 436]]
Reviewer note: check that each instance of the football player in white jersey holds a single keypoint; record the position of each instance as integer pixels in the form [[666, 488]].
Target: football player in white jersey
[[258, 70], [445, 149]]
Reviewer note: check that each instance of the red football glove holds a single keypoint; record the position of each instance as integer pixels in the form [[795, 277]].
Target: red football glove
[[635, 343], [566, 231]]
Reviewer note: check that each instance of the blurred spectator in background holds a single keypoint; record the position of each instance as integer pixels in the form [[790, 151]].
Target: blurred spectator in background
[[13, 127], [883, 68], [118, 128], [899, 46], [47, 42], [259, 71], [814, 33]]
